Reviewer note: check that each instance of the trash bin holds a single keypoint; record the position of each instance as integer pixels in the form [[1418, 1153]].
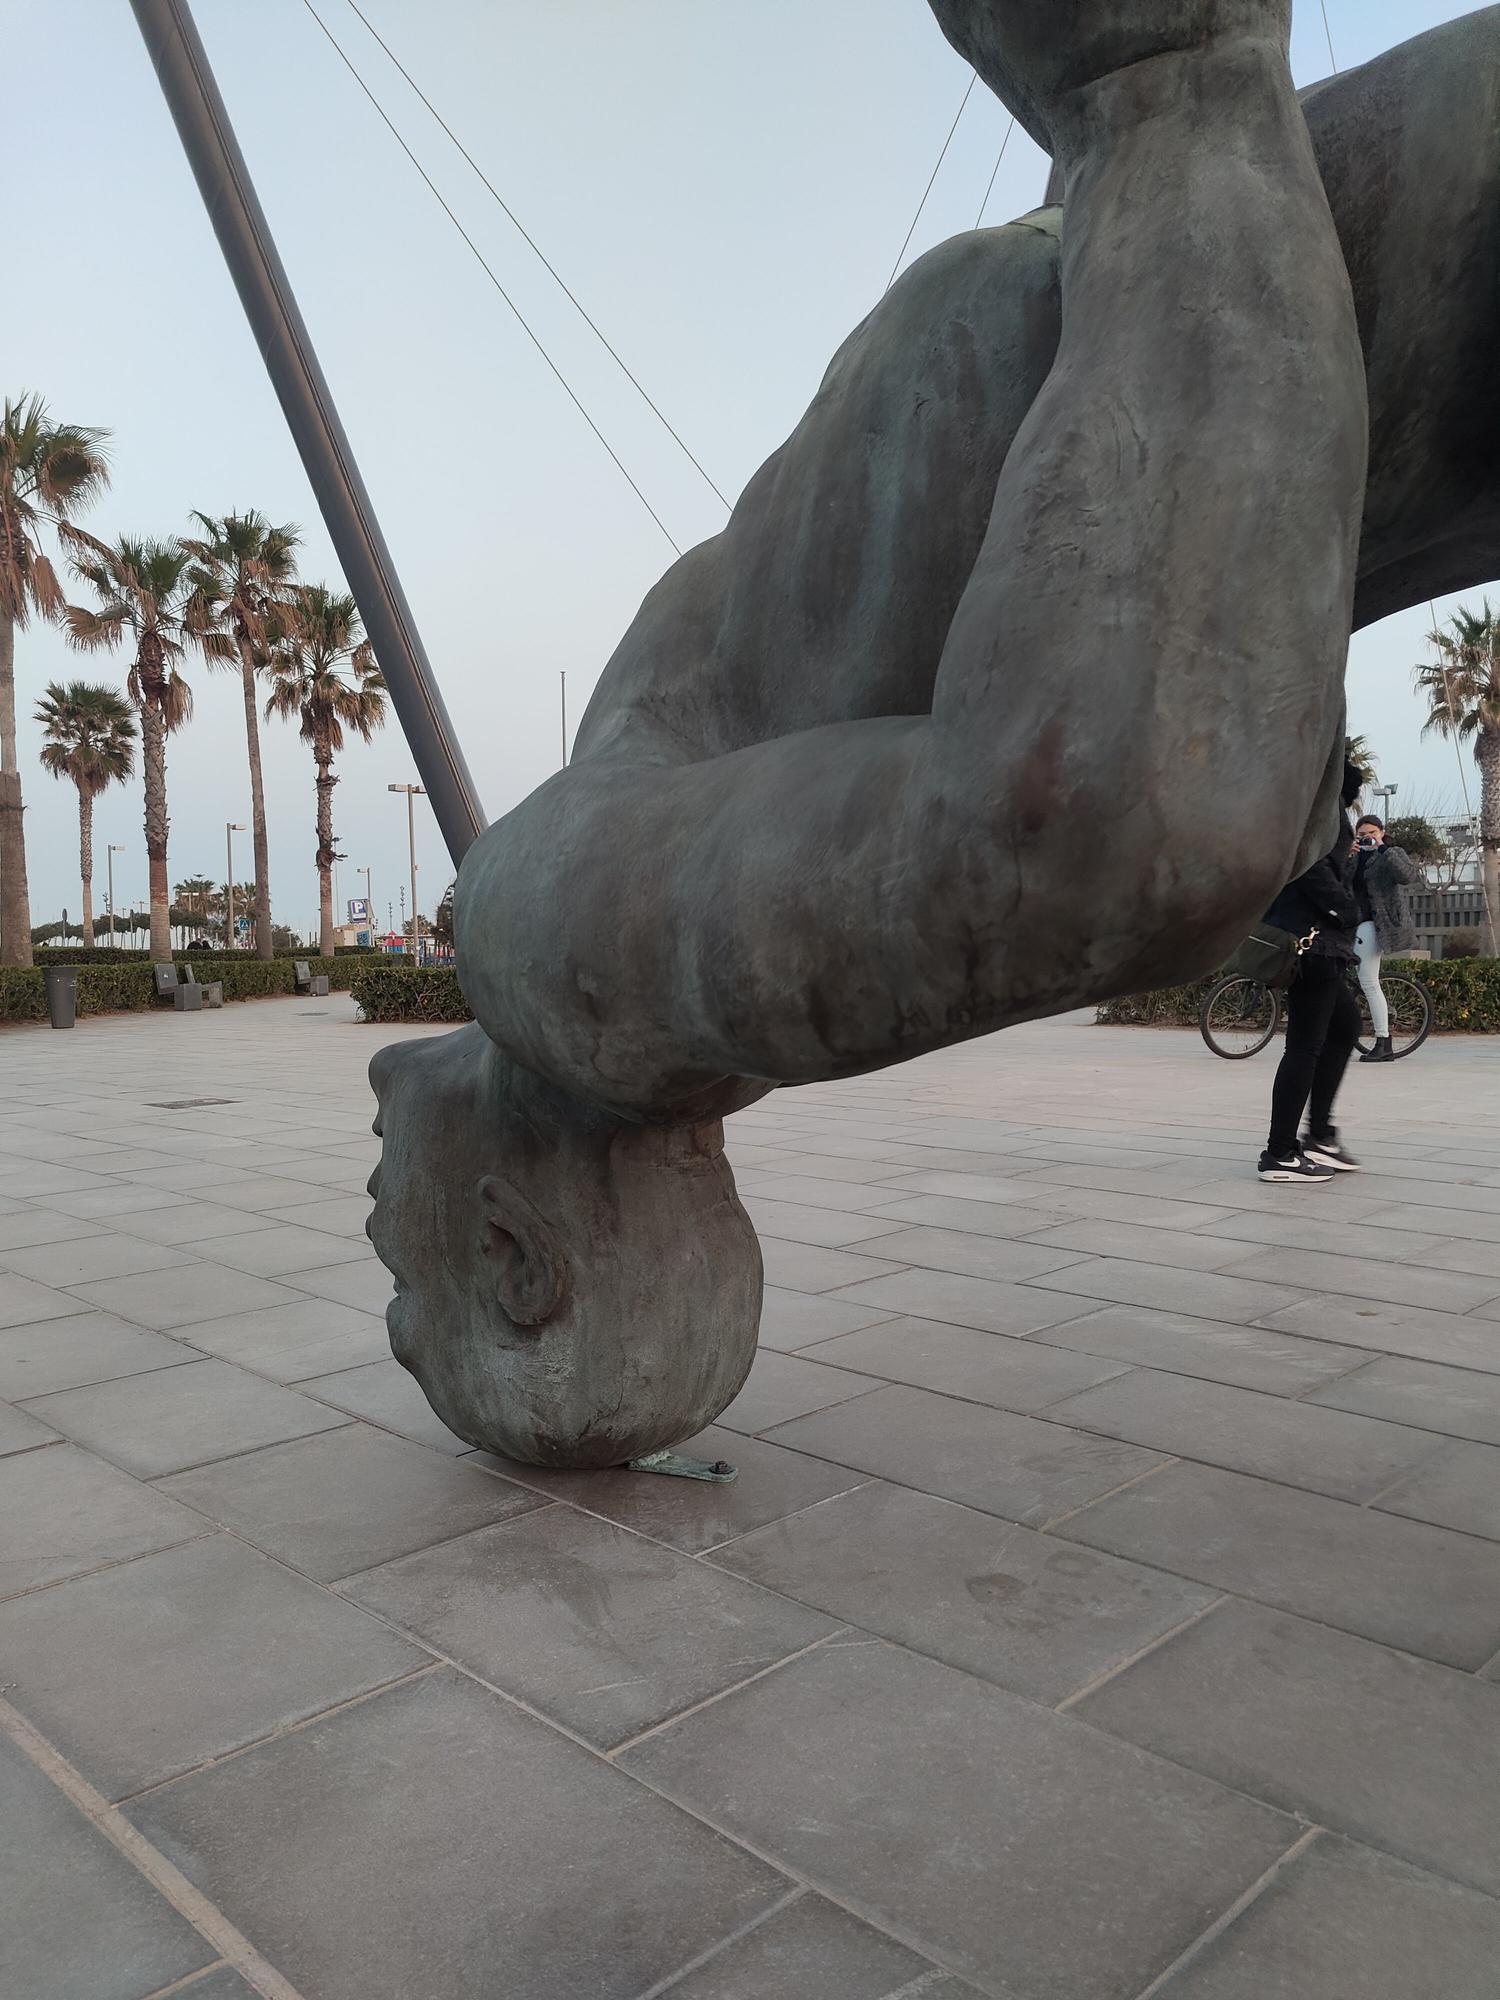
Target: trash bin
[[61, 982]]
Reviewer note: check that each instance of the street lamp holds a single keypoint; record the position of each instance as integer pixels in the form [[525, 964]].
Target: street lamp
[[413, 793], [231, 828], [1386, 792], [369, 901], [109, 863]]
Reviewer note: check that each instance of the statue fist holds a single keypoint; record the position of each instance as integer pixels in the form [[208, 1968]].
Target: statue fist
[[1033, 53]]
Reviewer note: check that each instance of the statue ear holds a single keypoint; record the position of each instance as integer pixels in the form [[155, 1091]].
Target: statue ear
[[525, 1255]]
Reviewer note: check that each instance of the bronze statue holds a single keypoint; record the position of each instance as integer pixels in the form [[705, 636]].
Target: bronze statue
[[1076, 529]]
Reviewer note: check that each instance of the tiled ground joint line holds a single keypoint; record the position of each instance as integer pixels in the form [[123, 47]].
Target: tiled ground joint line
[[1236, 1909], [209, 1921]]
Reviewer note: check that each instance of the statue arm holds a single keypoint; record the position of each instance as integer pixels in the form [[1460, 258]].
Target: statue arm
[[1133, 705]]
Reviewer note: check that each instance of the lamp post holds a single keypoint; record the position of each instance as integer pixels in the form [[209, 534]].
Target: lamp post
[[369, 901], [231, 828], [1385, 792], [109, 894], [413, 793]]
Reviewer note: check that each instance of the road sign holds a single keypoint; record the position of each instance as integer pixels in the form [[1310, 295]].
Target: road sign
[[359, 910]]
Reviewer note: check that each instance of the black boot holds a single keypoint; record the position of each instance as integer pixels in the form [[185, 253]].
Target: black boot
[[1381, 1052]]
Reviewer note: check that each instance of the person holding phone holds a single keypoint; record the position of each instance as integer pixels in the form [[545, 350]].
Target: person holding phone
[[1382, 875]]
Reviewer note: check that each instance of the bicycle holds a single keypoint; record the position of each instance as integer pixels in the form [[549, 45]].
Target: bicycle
[[1239, 1016]]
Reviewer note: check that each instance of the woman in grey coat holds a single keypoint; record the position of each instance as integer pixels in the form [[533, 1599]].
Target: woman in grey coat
[[1382, 875]]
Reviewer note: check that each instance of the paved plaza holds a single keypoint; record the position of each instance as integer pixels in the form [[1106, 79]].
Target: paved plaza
[[1108, 1604]]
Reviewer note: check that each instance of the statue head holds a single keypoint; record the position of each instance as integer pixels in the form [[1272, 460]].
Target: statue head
[[571, 1289]]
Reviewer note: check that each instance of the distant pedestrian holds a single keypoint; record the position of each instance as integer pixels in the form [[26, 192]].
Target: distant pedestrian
[[1322, 1015], [1382, 875]]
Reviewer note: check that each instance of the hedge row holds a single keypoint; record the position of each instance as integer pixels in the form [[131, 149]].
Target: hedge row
[[395, 992], [1465, 998], [131, 988], [104, 954]]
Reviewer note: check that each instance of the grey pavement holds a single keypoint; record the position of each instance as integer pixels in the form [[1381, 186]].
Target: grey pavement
[[1107, 1607]]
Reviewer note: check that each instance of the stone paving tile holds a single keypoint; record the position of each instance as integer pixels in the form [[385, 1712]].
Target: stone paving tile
[[116, 1198], [1482, 1259], [803, 1192], [20, 1432], [975, 1823], [140, 1672], [998, 1600], [1343, 1923], [1460, 1340], [366, 1284], [1339, 1234], [1456, 1401], [28, 1179], [272, 1252], [975, 1218], [959, 1361], [1490, 1311], [81, 1923], [804, 1267], [336, 1215], [260, 1192], [1405, 1584], [836, 1167], [295, 1342], [984, 1303], [1326, 1451], [781, 1387], [1395, 1751], [22, 1227], [1451, 1223], [222, 1984], [347, 1500], [796, 1319], [193, 1222], [385, 1393], [1458, 1487], [1017, 1467], [1187, 1249], [24, 1302], [177, 1417], [795, 1222], [102, 1255], [1202, 1293], [66, 1353], [812, 1948], [989, 1188], [974, 1256], [178, 1297], [63, 1512], [1370, 1278], [592, 1626], [1246, 1357], [694, 1514], [516, 1862]]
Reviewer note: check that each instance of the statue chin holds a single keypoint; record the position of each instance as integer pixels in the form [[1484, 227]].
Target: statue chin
[[571, 1290]]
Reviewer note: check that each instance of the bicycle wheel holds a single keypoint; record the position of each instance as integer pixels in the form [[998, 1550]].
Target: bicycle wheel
[[1410, 1006], [1238, 1017]]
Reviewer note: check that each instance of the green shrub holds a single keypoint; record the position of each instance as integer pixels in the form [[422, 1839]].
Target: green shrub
[[394, 992], [99, 954], [1465, 998]]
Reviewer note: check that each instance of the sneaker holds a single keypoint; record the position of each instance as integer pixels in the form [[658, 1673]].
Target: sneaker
[[1327, 1152], [1293, 1167]]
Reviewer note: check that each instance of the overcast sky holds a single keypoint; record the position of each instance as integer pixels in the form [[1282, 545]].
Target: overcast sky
[[725, 186]]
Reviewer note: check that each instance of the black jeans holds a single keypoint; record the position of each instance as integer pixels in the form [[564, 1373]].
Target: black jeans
[[1322, 1022]]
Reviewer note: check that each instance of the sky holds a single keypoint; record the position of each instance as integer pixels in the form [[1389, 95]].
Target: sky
[[725, 187]]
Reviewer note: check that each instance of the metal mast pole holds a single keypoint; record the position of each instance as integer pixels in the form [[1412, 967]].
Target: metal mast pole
[[245, 238]]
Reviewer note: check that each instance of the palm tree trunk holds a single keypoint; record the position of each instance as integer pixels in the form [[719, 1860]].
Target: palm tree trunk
[[86, 862], [326, 783], [154, 772], [1489, 831], [261, 915], [15, 906]]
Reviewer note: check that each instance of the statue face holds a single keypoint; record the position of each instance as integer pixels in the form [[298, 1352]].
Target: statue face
[[570, 1289]]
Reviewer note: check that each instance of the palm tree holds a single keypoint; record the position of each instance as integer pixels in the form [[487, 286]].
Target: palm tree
[[322, 669], [142, 592], [1358, 753], [47, 472], [1462, 686], [90, 738], [242, 570], [194, 905]]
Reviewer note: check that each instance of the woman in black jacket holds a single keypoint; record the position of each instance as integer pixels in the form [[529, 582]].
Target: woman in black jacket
[[1322, 1015]]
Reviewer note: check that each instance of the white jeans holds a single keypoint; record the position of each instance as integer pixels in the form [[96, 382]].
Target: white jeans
[[1367, 951]]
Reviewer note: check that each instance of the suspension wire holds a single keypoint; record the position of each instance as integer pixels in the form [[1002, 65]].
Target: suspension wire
[[536, 250], [998, 158], [1463, 776], [973, 79], [489, 273], [1329, 33]]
